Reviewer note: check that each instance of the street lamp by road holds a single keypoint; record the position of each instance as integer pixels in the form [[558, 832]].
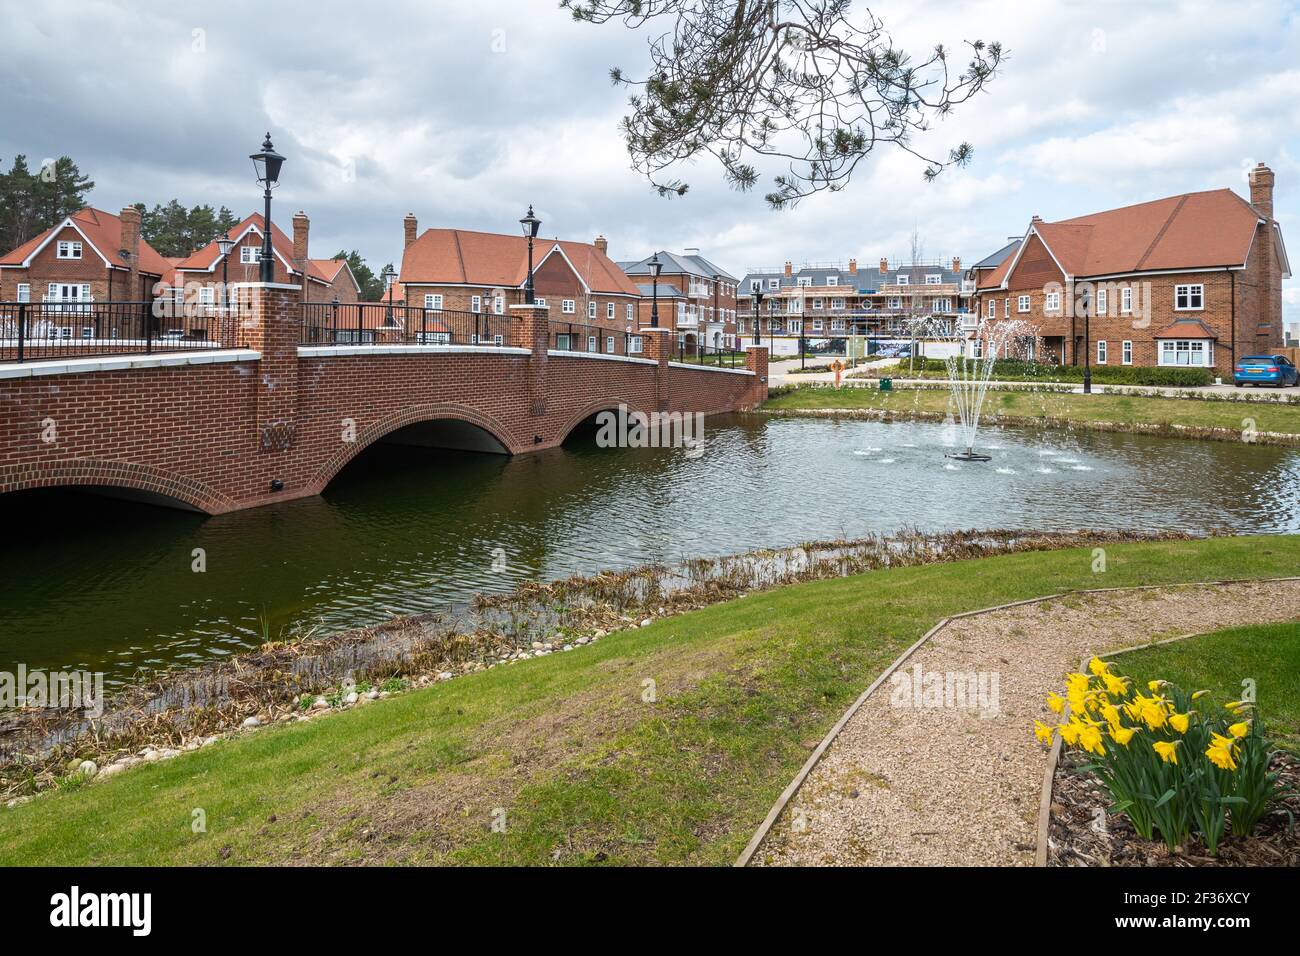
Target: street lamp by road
[[225, 244], [1084, 301], [757, 296], [530, 225], [656, 267], [267, 164]]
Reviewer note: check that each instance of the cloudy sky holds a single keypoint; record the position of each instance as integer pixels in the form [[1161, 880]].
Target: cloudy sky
[[464, 113]]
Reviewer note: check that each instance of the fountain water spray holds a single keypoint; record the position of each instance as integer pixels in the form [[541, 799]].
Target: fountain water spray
[[969, 374]]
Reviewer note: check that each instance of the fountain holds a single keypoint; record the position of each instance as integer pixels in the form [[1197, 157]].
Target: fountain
[[970, 369]]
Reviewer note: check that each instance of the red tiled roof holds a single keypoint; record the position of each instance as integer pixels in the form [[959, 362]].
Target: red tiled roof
[[1190, 231], [1186, 329], [464, 257], [205, 258], [104, 231]]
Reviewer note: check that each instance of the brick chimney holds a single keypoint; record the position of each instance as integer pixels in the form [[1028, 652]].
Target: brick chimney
[[410, 225], [956, 263], [853, 267], [602, 244], [884, 265], [301, 227], [1261, 190], [130, 217], [789, 268]]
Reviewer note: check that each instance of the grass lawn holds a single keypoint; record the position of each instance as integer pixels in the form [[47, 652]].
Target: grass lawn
[[569, 751], [1268, 654], [1206, 413]]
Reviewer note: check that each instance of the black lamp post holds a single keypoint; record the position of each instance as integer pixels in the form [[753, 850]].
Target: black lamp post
[[757, 295], [225, 244], [1084, 302], [389, 275], [530, 224], [267, 164], [656, 267]]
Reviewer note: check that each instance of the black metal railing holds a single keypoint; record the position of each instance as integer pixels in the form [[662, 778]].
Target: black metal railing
[[36, 331], [378, 323], [596, 339], [695, 353]]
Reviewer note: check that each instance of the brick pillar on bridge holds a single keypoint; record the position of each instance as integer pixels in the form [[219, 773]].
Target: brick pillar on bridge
[[271, 322], [657, 344], [530, 328], [756, 361]]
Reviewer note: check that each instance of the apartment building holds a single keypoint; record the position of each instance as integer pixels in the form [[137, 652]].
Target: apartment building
[[696, 297], [836, 300], [1190, 280]]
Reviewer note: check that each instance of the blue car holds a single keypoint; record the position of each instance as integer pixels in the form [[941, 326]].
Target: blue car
[[1276, 370]]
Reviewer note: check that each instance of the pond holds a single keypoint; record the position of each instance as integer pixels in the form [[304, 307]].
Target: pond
[[105, 584]]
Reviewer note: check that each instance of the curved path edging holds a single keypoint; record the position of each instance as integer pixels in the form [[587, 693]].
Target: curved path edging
[[794, 786]]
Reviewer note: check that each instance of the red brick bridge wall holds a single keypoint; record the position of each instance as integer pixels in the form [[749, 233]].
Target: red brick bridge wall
[[214, 435]]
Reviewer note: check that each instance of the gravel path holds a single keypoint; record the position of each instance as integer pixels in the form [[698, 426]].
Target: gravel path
[[906, 785]]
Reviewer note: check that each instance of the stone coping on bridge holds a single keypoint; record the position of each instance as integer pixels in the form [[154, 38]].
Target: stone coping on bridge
[[114, 363], [561, 353], [710, 368], [325, 351]]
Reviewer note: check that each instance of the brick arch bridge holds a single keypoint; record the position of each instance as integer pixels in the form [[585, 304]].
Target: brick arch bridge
[[222, 430]]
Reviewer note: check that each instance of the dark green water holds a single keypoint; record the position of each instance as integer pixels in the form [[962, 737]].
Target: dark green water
[[107, 585]]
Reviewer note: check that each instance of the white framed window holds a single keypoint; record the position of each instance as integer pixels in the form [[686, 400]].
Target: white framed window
[[832, 280], [1196, 353], [609, 310], [817, 325], [933, 279], [1126, 299], [993, 309], [498, 339], [68, 249], [1126, 352], [804, 281], [609, 344], [248, 255], [1022, 303], [591, 343], [1101, 301], [895, 302], [901, 279], [476, 303], [817, 304], [499, 305], [433, 301], [1051, 302], [567, 307], [634, 345], [207, 295], [795, 325], [538, 300], [977, 348], [774, 283], [837, 303], [1101, 351], [631, 313], [1006, 308], [942, 305], [591, 310], [24, 292], [755, 285], [837, 325], [1189, 298]]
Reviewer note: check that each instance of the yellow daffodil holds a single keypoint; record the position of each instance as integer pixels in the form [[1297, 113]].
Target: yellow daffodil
[[1070, 732], [1154, 685], [1239, 729], [1056, 702], [1042, 732], [1121, 735], [1179, 722], [1168, 750], [1220, 752], [1151, 711], [1115, 685], [1235, 705], [1199, 694], [1111, 713], [1090, 739], [1098, 667]]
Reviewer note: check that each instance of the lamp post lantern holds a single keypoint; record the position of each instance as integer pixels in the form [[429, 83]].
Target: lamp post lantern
[[656, 267], [530, 224], [1084, 302], [225, 244], [389, 274], [757, 295], [267, 165]]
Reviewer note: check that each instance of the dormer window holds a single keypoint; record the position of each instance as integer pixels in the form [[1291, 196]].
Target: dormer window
[[774, 283], [68, 250], [902, 279], [832, 280], [805, 281], [933, 279]]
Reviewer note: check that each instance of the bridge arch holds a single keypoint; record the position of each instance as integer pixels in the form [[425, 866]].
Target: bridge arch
[[595, 408], [496, 437], [141, 482]]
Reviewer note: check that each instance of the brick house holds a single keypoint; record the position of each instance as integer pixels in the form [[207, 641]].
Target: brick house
[[459, 270], [327, 279], [91, 256], [701, 304], [1193, 280]]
